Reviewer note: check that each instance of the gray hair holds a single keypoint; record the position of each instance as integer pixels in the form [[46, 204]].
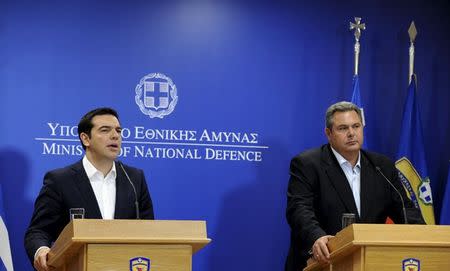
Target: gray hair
[[340, 107]]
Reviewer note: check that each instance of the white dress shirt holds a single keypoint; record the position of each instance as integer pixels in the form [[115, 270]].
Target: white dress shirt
[[104, 188], [353, 175]]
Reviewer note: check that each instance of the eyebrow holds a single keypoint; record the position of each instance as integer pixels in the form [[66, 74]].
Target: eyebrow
[[348, 125], [111, 127]]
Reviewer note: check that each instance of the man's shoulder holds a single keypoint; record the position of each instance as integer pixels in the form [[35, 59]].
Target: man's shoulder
[[124, 169], [67, 170], [377, 158], [119, 166], [314, 155], [313, 152]]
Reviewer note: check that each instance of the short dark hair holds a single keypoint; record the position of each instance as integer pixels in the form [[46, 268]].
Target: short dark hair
[[85, 125]]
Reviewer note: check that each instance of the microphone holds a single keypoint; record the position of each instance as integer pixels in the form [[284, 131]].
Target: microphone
[[398, 192], [134, 189]]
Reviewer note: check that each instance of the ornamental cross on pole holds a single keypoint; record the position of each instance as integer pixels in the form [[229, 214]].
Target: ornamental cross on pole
[[358, 26]]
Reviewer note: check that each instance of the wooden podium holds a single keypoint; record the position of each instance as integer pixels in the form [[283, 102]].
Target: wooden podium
[[96, 244], [387, 247]]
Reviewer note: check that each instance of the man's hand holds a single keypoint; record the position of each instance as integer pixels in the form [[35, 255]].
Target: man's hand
[[40, 259], [320, 249]]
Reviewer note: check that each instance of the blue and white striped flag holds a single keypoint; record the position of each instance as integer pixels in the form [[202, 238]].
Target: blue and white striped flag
[[356, 99], [5, 249]]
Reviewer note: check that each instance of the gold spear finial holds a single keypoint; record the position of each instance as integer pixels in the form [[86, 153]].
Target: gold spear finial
[[412, 31]]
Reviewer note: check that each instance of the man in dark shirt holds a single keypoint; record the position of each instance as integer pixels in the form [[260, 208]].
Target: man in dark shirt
[[97, 183]]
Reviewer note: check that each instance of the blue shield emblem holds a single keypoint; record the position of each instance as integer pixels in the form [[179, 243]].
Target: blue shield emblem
[[140, 264], [156, 95], [411, 264]]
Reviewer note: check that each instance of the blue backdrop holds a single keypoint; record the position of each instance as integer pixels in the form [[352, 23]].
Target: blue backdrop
[[261, 70]]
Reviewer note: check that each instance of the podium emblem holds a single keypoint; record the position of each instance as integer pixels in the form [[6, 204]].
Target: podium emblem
[[140, 264], [411, 264]]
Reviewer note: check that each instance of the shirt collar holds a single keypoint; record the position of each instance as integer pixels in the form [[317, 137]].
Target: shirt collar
[[341, 160], [91, 170]]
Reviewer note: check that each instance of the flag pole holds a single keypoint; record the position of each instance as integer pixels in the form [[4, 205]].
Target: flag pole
[[356, 98], [412, 31]]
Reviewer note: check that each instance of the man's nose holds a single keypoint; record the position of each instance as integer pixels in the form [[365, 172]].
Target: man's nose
[[351, 132], [115, 134]]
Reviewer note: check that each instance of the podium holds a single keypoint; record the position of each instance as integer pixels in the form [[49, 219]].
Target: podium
[[387, 247], [122, 245]]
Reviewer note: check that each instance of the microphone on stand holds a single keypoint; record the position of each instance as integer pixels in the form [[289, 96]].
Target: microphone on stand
[[136, 203], [378, 169], [398, 192]]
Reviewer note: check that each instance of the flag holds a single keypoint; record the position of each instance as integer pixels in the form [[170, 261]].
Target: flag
[[356, 99], [5, 249], [445, 211], [411, 161]]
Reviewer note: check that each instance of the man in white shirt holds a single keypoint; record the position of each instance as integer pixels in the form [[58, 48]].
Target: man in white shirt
[[101, 186]]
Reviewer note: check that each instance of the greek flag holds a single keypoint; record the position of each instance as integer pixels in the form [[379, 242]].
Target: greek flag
[[5, 249], [356, 99]]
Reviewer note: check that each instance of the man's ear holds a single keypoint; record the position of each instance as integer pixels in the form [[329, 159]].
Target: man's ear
[[328, 132], [85, 139]]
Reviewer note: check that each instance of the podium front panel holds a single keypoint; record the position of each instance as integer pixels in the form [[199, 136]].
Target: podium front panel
[[354, 262], [111, 257], [391, 258]]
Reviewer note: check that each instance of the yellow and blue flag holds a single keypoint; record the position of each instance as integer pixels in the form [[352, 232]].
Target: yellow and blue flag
[[5, 248], [445, 211], [411, 161]]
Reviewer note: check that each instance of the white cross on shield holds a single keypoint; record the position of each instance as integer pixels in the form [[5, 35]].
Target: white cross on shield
[[156, 94]]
